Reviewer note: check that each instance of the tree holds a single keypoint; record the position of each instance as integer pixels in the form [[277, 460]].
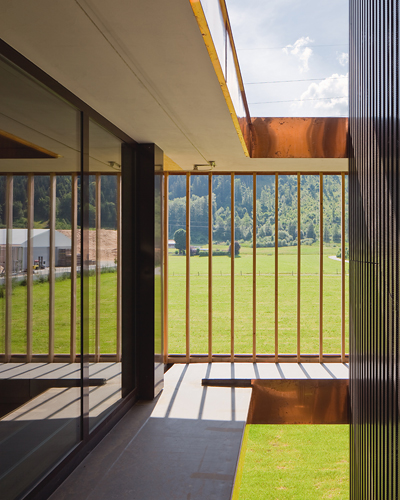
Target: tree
[[237, 248], [327, 235], [180, 240], [336, 234], [310, 231]]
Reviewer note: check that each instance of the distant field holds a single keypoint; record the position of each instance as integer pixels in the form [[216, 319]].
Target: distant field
[[221, 294], [108, 319], [265, 284], [296, 462]]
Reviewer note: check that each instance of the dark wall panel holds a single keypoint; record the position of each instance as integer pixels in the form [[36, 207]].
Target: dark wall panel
[[374, 248]]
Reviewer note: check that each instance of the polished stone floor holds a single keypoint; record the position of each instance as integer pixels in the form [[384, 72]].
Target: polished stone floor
[[185, 444]]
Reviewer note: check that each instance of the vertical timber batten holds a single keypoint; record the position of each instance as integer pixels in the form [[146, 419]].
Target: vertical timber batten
[[232, 267], [187, 267], [119, 267], [74, 264], [52, 263], [254, 267], [29, 269], [210, 252], [9, 224], [321, 265], [343, 271], [98, 269], [298, 263], [165, 282], [276, 267]]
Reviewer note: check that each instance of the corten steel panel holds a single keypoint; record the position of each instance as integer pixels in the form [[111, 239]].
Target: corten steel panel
[[374, 248], [299, 402], [299, 138]]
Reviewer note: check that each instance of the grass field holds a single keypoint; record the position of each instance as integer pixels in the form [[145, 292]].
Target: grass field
[[296, 462], [265, 301], [221, 296], [40, 335]]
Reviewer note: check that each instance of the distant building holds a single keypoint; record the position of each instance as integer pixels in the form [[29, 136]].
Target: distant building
[[171, 243], [40, 243]]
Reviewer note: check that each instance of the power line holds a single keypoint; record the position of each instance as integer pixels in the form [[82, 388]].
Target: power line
[[306, 80], [300, 100], [292, 46]]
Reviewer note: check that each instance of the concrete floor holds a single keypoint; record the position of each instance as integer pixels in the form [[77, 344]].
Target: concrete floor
[[185, 444]]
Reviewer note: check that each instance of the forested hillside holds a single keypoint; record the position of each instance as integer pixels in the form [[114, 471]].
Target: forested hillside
[[287, 196], [63, 201]]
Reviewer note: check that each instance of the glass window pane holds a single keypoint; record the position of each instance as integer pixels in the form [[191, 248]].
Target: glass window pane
[[105, 367], [39, 136]]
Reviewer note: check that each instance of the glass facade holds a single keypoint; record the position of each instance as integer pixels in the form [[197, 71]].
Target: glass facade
[[60, 263]]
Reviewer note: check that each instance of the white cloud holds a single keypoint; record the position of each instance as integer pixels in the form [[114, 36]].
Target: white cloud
[[329, 95], [343, 59], [300, 50]]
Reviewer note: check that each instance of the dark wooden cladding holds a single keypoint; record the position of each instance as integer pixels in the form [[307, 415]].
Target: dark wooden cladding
[[374, 249], [299, 137]]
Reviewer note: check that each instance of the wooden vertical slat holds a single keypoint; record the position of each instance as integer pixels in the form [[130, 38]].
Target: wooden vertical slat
[[52, 264], [165, 282], [187, 267], [298, 262], [210, 251], [119, 267], [9, 263], [232, 266], [321, 265], [29, 269], [343, 270], [276, 266], [98, 267], [74, 263], [254, 267]]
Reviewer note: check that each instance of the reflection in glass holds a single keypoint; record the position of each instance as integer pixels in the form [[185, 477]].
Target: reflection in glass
[[41, 257], [104, 373], [177, 264], [19, 256], [199, 264], [265, 258], [38, 426], [63, 270]]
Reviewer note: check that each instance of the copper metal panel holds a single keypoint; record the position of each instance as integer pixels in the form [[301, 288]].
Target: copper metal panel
[[299, 402], [299, 138]]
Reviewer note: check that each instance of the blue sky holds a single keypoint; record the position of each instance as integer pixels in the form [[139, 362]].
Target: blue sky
[[280, 40]]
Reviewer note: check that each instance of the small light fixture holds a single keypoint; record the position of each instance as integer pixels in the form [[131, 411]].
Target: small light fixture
[[209, 166], [114, 165]]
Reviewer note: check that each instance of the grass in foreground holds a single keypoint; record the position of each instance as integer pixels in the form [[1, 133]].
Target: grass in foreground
[[296, 462]]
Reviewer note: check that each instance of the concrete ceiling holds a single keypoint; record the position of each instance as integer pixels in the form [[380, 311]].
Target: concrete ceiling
[[144, 66]]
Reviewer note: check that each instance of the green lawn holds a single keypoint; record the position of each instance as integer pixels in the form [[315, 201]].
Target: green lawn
[[40, 335], [265, 302], [221, 296], [296, 462]]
